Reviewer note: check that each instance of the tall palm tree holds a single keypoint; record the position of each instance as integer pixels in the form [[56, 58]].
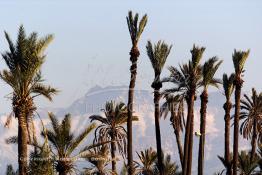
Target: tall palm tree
[[251, 112], [24, 60], [158, 55], [148, 157], [175, 105], [64, 143], [186, 79], [209, 69], [135, 29], [228, 86], [239, 59], [112, 128]]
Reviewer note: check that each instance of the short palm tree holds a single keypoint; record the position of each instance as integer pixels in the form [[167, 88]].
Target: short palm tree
[[158, 55], [209, 69], [147, 158], [175, 105], [239, 59], [227, 164], [112, 128], [170, 168], [246, 166], [63, 143], [10, 170], [135, 29], [99, 160], [251, 112], [228, 86], [41, 161], [186, 79], [24, 60]]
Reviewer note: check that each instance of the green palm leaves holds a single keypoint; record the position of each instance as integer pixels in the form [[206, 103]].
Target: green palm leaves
[[239, 59], [64, 142], [111, 128], [209, 69], [148, 159], [24, 60], [197, 54], [134, 28], [158, 55], [251, 112], [228, 85]]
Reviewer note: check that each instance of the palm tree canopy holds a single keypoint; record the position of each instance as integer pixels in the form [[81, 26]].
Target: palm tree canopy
[[158, 55], [99, 158], [251, 109], [197, 54], [247, 166], [147, 158], [62, 138], [24, 60], [115, 116], [170, 168], [209, 69], [134, 28], [239, 59], [175, 104], [186, 74], [228, 84]]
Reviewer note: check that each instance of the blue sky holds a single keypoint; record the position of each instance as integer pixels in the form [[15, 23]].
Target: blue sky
[[92, 43]]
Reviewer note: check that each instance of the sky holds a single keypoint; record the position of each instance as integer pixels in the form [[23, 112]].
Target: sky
[[92, 43]]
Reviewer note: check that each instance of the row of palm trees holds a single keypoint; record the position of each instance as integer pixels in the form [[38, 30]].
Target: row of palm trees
[[25, 58]]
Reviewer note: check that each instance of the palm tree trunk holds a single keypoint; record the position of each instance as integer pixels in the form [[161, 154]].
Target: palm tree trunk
[[113, 152], [190, 116], [22, 143], [227, 108], [254, 141], [134, 54], [157, 128], [179, 145], [238, 83], [201, 151], [178, 138]]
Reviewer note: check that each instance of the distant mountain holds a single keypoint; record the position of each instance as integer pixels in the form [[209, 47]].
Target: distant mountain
[[94, 100]]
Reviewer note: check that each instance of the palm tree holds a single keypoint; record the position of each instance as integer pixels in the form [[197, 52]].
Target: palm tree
[[147, 158], [209, 69], [187, 80], [175, 105], [227, 164], [41, 161], [99, 161], [24, 60], [158, 55], [251, 112], [170, 168], [10, 170], [239, 59], [64, 143], [228, 86], [247, 166], [135, 30], [112, 128]]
